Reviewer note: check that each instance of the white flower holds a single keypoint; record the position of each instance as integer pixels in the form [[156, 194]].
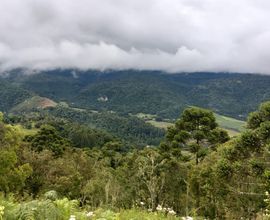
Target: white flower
[[172, 212], [90, 214], [142, 203], [159, 208], [72, 217], [267, 193]]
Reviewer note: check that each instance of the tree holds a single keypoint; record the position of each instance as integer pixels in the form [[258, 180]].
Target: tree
[[196, 131], [48, 138], [260, 116], [150, 171], [82, 136], [233, 180], [12, 174]]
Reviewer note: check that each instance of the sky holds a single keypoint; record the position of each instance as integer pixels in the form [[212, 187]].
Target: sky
[[167, 35]]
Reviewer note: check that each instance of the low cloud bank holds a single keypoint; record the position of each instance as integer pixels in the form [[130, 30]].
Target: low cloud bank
[[173, 35]]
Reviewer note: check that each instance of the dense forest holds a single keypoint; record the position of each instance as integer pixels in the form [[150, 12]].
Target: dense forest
[[152, 92], [125, 144], [52, 168]]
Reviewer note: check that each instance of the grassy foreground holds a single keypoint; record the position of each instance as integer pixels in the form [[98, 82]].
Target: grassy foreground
[[64, 209]]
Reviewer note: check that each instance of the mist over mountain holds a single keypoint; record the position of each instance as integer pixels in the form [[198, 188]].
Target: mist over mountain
[[134, 109]]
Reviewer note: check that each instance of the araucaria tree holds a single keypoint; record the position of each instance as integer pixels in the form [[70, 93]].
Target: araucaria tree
[[196, 131]]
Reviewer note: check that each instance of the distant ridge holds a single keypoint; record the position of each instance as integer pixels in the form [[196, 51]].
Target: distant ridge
[[150, 92]]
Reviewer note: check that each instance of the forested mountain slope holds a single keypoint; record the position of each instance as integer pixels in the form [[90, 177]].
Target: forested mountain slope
[[11, 95], [162, 94]]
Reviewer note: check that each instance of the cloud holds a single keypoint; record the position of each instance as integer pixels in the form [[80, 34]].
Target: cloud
[[169, 35]]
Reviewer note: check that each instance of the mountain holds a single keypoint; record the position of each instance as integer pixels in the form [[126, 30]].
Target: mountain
[[151, 92]]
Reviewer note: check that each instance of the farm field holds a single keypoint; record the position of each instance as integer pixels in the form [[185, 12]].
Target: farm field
[[232, 125]]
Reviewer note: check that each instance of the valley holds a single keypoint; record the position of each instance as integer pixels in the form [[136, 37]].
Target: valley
[[131, 141]]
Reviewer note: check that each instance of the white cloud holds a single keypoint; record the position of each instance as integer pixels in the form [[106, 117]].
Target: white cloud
[[170, 35]]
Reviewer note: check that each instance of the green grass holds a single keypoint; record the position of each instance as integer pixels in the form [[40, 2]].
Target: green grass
[[151, 119], [143, 215], [232, 133], [230, 123], [160, 124], [145, 116], [62, 209]]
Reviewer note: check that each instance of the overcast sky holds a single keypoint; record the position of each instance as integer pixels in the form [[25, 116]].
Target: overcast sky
[[170, 35]]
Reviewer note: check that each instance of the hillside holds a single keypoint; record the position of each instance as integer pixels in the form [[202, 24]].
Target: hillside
[[102, 138], [33, 103], [37, 111], [232, 125], [11, 95], [127, 128], [72, 167], [151, 92], [167, 95]]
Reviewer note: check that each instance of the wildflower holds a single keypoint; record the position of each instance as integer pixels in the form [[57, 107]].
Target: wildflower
[[267, 193], [165, 209], [159, 208], [72, 217], [142, 203], [172, 212], [90, 214]]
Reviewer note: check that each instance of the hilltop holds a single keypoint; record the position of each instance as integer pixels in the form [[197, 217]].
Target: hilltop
[[33, 103]]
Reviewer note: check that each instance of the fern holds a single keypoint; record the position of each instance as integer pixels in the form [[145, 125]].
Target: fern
[[43, 209], [66, 207], [37, 210]]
